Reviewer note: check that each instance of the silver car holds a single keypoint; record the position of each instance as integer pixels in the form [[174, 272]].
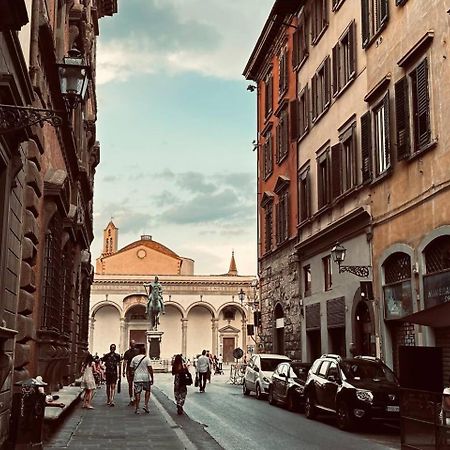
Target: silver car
[[259, 372]]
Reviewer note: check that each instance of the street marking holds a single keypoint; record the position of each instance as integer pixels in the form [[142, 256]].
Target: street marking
[[188, 445]]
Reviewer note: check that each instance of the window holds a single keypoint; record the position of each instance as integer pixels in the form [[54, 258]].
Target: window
[[397, 287], [320, 85], [336, 4], [268, 225], [300, 43], [282, 136], [376, 148], [268, 93], [412, 111], [303, 112], [323, 368], [228, 314], [304, 194], [374, 15], [319, 19], [323, 179], [283, 74], [400, 2], [307, 280], [326, 263], [283, 216], [344, 60], [267, 153]]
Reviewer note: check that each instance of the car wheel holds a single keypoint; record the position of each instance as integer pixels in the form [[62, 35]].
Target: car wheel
[[344, 416], [271, 399], [258, 391], [290, 402], [310, 407], [245, 391]]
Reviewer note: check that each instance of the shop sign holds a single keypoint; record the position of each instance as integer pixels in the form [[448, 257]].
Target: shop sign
[[436, 289], [398, 300]]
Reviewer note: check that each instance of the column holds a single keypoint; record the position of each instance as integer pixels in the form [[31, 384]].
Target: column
[[91, 334], [122, 343], [215, 336], [184, 325]]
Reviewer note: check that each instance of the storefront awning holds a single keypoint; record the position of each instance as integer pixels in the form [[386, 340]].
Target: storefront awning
[[437, 316]]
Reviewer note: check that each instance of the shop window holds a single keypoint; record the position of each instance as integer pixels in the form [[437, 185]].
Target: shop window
[[397, 288]]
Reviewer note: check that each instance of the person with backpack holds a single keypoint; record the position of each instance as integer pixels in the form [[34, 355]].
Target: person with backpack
[[141, 368]]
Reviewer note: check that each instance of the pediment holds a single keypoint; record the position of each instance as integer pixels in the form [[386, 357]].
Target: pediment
[[267, 198], [282, 183], [229, 329]]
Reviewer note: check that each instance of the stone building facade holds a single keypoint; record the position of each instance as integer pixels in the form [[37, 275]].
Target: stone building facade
[[46, 183], [201, 311], [367, 116]]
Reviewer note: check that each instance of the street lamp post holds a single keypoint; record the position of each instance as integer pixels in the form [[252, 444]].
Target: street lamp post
[[338, 253], [73, 78]]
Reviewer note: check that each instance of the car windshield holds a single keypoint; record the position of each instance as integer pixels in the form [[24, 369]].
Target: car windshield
[[269, 365], [367, 370], [300, 371]]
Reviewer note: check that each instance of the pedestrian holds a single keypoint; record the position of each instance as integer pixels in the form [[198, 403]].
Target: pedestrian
[[127, 357], [88, 381], [203, 368], [141, 367], [98, 372], [179, 369], [220, 362], [112, 372]]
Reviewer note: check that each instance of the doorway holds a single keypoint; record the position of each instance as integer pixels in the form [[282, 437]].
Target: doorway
[[228, 347], [364, 330], [139, 336]]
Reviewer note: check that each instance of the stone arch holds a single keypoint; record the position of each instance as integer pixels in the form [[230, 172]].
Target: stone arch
[[205, 305], [106, 319], [177, 306], [239, 307], [132, 300], [201, 318], [99, 305]]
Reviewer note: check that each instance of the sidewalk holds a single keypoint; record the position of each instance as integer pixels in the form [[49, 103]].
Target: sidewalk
[[118, 427]]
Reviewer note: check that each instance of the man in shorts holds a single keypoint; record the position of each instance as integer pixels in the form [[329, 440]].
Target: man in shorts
[[141, 366], [127, 357], [112, 372]]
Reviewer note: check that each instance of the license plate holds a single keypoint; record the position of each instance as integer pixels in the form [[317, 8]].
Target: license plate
[[393, 408]]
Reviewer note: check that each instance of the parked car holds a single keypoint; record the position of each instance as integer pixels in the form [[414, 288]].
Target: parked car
[[288, 383], [259, 371], [354, 389]]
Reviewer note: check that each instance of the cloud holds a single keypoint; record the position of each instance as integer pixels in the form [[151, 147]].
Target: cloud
[[194, 182], [172, 36], [111, 179]]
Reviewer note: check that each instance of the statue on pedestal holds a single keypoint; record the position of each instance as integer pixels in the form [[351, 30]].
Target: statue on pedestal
[[155, 304]]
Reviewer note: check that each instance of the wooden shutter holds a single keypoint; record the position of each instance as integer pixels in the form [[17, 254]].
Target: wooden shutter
[[286, 69], [308, 194], [402, 118], [293, 119], [365, 28], [336, 170], [327, 70], [352, 49], [366, 147], [387, 129], [296, 48], [270, 151], [422, 119], [384, 12], [335, 66], [314, 96], [270, 93]]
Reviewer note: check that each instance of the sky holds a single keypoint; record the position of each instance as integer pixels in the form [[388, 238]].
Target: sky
[[176, 125]]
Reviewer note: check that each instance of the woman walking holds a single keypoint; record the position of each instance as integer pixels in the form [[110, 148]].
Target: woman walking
[[179, 369], [88, 381]]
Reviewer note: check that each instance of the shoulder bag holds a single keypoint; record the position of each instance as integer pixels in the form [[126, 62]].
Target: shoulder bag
[[185, 377]]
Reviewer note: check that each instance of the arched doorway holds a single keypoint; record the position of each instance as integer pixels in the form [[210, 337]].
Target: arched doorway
[[199, 331], [364, 330], [136, 319], [107, 329], [279, 330]]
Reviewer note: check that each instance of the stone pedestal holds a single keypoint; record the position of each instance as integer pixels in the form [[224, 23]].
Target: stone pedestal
[[154, 344]]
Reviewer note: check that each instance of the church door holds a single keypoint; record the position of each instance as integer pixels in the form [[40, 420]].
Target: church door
[[228, 347], [138, 336]]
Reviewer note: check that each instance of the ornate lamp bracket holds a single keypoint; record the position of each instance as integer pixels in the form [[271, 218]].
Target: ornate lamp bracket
[[15, 118], [359, 271]]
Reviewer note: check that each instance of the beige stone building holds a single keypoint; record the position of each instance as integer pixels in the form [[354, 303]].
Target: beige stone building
[[201, 311]]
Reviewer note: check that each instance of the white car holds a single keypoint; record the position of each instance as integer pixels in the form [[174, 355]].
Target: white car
[[259, 373]]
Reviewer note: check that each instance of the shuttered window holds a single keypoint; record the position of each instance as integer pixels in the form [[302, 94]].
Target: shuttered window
[[327, 275], [268, 93], [402, 118], [374, 15], [293, 120], [321, 89], [283, 75], [344, 59], [283, 216], [304, 194], [336, 4], [300, 43], [268, 226], [347, 163], [366, 147], [381, 136], [319, 19], [303, 112], [323, 179], [268, 155], [282, 136]]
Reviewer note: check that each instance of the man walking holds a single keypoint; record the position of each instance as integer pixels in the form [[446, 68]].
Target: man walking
[[141, 366], [127, 357], [203, 367], [112, 372]]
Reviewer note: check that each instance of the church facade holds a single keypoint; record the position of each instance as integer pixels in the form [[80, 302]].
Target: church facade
[[201, 311]]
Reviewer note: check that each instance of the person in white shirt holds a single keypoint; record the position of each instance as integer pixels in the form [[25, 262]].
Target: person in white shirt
[[220, 360], [203, 367], [141, 366]]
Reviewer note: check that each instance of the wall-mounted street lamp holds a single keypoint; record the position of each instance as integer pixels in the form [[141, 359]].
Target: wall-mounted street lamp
[[338, 253], [245, 299], [73, 78]]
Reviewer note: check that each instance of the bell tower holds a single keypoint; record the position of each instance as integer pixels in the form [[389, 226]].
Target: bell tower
[[110, 238]]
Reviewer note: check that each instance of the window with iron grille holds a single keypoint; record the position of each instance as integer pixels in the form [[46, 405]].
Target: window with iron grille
[[268, 94], [412, 111], [283, 72], [323, 179], [268, 155], [67, 288], [283, 216], [51, 285], [300, 43], [321, 89], [374, 16], [304, 194], [319, 19], [344, 60], [397, 288], [303, 112], [268, 226], [437, 255], [327, 274], [282, 135]]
